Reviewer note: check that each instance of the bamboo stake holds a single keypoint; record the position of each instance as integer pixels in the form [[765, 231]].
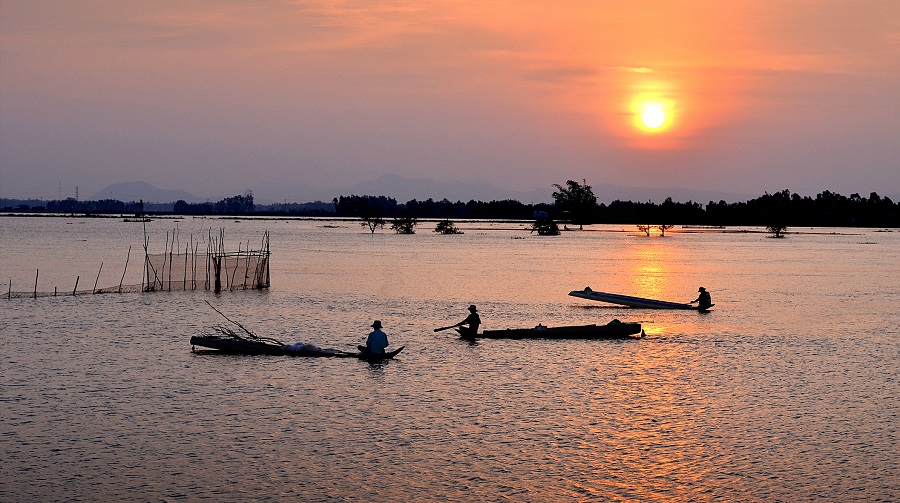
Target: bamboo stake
[[236, 264], [36, 274], [9, 292], [170, 260], [194, 266], [184, 276], [125, 269], [76, 285], [266, 247], [247, 265], [206, 278], [193, 262], [224, 265], [94, 291], [146, 262]]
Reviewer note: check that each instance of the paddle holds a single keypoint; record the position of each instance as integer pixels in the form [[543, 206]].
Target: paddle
[[445, 328]]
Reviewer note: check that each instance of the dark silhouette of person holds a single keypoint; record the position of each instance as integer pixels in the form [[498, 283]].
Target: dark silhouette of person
[[376, 342], [473, 321], [704, 299]]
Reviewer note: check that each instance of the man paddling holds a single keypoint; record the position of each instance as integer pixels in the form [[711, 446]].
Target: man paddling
[[704, 299], [376, 342], [473, 321]]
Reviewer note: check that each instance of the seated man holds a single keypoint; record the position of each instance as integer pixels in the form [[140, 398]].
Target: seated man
[[704, 299], [473, 321], [376, 342]]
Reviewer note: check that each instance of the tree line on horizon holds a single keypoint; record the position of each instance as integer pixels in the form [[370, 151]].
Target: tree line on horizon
[[577, 205], [573, 203]]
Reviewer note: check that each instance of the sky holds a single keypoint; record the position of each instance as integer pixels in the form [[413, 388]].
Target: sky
[[217, 96]]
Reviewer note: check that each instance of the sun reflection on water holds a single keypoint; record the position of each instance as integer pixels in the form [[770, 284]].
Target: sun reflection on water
[[652, 268]]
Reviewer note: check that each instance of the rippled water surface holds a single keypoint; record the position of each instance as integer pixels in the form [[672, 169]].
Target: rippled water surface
[[786, 391]]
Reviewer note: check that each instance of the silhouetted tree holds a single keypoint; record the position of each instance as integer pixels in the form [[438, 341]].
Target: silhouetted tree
[[372, 223], [359, 206], [237, 205], [777, 230], [577, 200], [446, 227], [404, 225]]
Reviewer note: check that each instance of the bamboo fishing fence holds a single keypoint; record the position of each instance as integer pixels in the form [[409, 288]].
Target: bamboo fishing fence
[[196, 266]]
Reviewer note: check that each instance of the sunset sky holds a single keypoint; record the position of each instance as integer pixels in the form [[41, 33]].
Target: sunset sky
[[213, 96]]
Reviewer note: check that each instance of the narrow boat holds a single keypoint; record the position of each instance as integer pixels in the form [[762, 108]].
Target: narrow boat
[[626, 300], [230, 345], [612, 330]]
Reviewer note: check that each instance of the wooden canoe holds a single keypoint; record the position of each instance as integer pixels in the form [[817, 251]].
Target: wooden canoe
[[612, 330], [228, 345], [627, 300]]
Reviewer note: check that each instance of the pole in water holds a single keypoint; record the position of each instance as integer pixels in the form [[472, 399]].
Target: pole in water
[[76, 285], [37, 272], [98, 279], [125, 269]]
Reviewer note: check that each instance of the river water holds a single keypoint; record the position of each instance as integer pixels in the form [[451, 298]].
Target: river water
[[786, 391]]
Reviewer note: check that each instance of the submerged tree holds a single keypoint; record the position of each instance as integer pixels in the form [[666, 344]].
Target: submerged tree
[[662, 228], [404, 225], [577, 200], [645, 229], [777, 230], [447, 227], [372, 223]]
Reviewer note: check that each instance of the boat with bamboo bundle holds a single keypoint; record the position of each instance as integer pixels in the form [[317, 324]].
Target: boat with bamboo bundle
[[226, 340], [240, 346]]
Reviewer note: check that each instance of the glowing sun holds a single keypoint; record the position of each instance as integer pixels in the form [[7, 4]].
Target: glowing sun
[[653, 116]]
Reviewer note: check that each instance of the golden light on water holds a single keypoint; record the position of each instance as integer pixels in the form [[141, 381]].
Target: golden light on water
[[651, 276]]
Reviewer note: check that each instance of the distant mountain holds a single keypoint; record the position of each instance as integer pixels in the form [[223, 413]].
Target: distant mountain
[[137, 191]]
